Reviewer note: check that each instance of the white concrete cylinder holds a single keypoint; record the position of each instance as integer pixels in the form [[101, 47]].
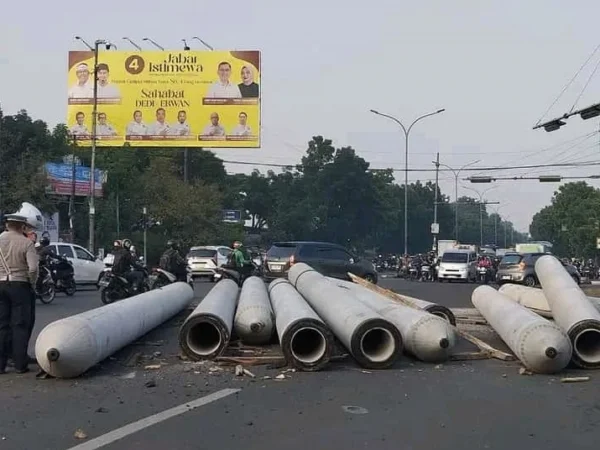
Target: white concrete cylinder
[[253, 321], [425, 336], [306, 342], [206, 332], [70, 346], [539, 344], [572, 311], [373, 341]]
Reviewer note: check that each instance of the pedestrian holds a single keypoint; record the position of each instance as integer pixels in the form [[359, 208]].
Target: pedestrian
[[18, 274]]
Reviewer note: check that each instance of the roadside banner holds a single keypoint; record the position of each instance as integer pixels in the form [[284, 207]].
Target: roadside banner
[[166, 98]]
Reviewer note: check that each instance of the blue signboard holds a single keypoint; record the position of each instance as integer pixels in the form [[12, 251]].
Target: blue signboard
[[60, 176], [232, 215]]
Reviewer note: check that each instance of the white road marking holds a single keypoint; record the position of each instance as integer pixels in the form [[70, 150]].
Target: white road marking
[[149, 421]]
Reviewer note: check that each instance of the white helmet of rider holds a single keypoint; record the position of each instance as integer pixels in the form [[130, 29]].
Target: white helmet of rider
[[32, 215]]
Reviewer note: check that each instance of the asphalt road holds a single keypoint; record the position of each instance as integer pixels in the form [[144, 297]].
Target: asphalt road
[[468, 405]]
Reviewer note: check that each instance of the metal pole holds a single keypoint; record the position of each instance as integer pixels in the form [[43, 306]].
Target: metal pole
[[406, 192], [435, 203], [496, 230], [505, 246], [145, 235], [480, 222], [72, 199], [118, 215], [185, 165], [456, 206], [92, 212], [406, 134]]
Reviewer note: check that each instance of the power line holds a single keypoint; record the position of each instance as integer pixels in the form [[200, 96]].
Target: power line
[[481, 169]]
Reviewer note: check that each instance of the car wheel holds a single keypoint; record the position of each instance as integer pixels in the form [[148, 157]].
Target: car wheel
[[529, 281], [370, 278]]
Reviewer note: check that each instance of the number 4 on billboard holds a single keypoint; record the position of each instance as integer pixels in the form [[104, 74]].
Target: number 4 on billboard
[[134, 64]]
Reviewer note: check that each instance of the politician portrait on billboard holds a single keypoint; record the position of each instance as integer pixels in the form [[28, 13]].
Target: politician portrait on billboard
[[166, 98]]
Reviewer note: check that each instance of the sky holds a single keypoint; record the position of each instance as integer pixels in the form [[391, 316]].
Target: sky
[[495, 67]]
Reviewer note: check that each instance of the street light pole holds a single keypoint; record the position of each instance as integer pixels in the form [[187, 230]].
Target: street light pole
[[480, 194], [406, 135], [456, 174], [497, 210]]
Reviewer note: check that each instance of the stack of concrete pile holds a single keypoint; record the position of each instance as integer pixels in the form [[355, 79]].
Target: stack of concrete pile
[[307, 311], [516, 312]]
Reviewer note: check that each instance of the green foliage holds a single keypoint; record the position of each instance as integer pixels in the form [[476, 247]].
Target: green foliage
[[332, 195], [571, 222]]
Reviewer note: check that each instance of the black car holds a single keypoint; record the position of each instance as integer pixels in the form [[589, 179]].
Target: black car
[[331, 260]]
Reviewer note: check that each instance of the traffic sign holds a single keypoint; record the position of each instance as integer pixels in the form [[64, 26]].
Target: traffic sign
[[232, 215], [435, 228]]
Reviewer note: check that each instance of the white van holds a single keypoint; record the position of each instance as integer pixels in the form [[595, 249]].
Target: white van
[[458, 265], [86, 266]]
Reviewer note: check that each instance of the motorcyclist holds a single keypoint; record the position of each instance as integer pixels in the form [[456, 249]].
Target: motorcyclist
[[172, 261], [241, 260], [126, 266], [45, 254]]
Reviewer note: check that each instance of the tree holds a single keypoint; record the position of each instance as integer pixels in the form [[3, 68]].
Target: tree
[[572, 220]]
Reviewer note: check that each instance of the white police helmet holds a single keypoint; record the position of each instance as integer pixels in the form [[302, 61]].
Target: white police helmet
[[33, 216]]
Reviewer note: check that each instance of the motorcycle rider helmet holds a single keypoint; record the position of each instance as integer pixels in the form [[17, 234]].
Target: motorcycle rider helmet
[[126, 244], [44, 242], [33, 216], [237, 244], [117, 244]]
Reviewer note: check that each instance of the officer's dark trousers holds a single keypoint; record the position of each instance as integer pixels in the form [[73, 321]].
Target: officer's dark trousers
[[17, 309]]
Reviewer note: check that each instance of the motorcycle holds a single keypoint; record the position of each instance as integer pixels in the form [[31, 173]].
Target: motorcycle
[[232, 274], [426, 273], [45, 291], [161, 278], [483, 275], [413, 272], [63, 276], [114, 287]]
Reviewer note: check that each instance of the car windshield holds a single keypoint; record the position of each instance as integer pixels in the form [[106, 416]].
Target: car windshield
[[202, 253], [511, 259], [451, 257], [281, 251]]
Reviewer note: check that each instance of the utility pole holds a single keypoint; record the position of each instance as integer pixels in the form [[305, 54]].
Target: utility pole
[[435, 228], [72, 199], [145, 211], [92, 213]]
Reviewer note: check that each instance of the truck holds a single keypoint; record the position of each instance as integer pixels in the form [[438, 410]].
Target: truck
[[450, 244]]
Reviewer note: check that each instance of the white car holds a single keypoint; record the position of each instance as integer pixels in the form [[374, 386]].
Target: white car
[[86, 266], [205, 259]]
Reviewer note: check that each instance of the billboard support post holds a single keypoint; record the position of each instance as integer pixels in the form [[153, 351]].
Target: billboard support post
[[92, 212], [72, 199]]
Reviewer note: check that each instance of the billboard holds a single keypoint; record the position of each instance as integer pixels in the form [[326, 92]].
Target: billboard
[[166, 98], [60, 176]]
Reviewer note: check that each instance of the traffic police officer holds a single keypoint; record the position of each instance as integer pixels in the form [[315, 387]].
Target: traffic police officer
[[18, 273]]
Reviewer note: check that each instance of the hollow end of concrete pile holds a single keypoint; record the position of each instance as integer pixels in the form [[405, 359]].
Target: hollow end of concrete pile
[[441, 311], [203, 337], [307, 345], [585, 337], [376, 344]]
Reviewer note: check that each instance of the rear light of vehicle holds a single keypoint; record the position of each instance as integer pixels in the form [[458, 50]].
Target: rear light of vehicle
[[292, 260], [522, 265]]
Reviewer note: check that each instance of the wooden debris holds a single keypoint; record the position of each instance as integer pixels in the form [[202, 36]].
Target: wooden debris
[[79, 434], [152, 367], [574, 379], [251, 360]]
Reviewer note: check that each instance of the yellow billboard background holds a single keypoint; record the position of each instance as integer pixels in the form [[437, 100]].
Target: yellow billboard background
[[174, 81]]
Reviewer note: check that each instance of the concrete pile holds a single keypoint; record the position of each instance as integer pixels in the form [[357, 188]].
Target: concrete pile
[[519, 314], [307, 312], [68, 347]]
